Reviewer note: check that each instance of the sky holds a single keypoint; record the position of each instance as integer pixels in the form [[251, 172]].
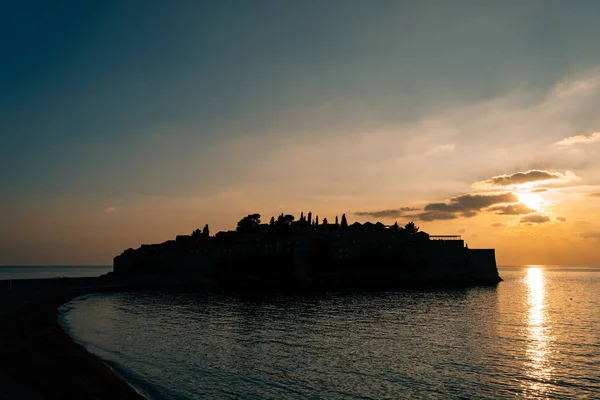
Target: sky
[[127, 122]]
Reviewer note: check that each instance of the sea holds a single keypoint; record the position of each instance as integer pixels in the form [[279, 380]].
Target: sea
[[58, 271], [534, 336]]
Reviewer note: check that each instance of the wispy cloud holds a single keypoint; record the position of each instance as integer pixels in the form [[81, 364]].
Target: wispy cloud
[[497, 224], [467, 203], [594, 195], [535, 219], [390, 213], [442, 149], [376, 158], [579, 139], [519, 178], [512, 209], [590, 235], [438, 215], [466, 206], [561, 219], [110, 210]]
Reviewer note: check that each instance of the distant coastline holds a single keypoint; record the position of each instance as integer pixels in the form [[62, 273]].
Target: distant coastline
[[303, 253], [15, 272]]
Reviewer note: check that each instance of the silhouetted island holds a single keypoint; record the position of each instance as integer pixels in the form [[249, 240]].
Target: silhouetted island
[[286, 253]]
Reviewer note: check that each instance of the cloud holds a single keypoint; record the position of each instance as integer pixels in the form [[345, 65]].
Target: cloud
[[579, 139], [590, 235], [110, 210], [497, 224], [561, 219], [512, 209], [469, 204], [594, 194], [461, 230], [436, 215], [372, 157], [442, 149], [542, 190], [391, 213], [519, 178], [581, 223], [534, 219], [466, 206]]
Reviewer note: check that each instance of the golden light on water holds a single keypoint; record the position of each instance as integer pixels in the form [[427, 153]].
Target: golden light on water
[[538, 367]]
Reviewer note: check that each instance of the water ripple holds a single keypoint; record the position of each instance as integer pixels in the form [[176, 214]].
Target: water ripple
[[533, 337]]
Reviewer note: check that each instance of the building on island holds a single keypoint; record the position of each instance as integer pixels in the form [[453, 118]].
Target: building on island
[[306, 253]]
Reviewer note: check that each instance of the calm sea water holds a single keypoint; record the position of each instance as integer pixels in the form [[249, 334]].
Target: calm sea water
[[535, 336], [44, 272]]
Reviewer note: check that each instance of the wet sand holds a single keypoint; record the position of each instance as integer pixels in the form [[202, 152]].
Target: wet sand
[[38, 360]]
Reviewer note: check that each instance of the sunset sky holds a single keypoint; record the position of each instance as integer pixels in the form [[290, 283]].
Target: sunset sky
[[126, 122]]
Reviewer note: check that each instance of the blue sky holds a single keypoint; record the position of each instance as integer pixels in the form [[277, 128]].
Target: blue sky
[[121, 104]]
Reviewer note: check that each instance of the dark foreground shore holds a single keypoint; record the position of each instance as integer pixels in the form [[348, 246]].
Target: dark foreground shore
[[38, 359]]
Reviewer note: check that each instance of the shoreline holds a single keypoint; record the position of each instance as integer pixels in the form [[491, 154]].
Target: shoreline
[[38, 358], [115, 370]]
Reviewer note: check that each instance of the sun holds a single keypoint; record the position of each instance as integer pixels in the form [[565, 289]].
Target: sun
[[531, 200]]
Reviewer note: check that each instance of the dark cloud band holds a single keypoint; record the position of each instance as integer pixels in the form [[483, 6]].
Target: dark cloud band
[[390, 213], [535, 219], [518, 178]]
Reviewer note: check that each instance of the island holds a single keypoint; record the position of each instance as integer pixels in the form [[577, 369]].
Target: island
[[307, 254]]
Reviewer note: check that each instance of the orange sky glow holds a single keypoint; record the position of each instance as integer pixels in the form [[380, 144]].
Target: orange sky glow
[[119, 133]]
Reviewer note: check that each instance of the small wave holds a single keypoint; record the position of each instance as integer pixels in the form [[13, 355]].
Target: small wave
[[64, 309], [136, 384]]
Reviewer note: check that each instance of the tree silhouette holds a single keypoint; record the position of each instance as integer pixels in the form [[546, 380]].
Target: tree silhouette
[[411, 227], [325, 222], [285, 220], [196, 233], [336, 221], [344, 222], [395, 227], [206, 231], [317, 220], [310, 218], [272, 221], [248, 223]]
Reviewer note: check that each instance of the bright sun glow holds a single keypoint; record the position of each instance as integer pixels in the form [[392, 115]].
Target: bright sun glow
[[531, 200]]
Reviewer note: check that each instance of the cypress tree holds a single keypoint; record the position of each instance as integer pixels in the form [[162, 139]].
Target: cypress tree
[[344, 222]]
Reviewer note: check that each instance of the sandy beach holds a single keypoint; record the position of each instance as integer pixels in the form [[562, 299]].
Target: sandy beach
[[38, 360]]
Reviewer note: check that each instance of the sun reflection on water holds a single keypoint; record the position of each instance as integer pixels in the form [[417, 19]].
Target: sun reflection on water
[[538, 368]]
